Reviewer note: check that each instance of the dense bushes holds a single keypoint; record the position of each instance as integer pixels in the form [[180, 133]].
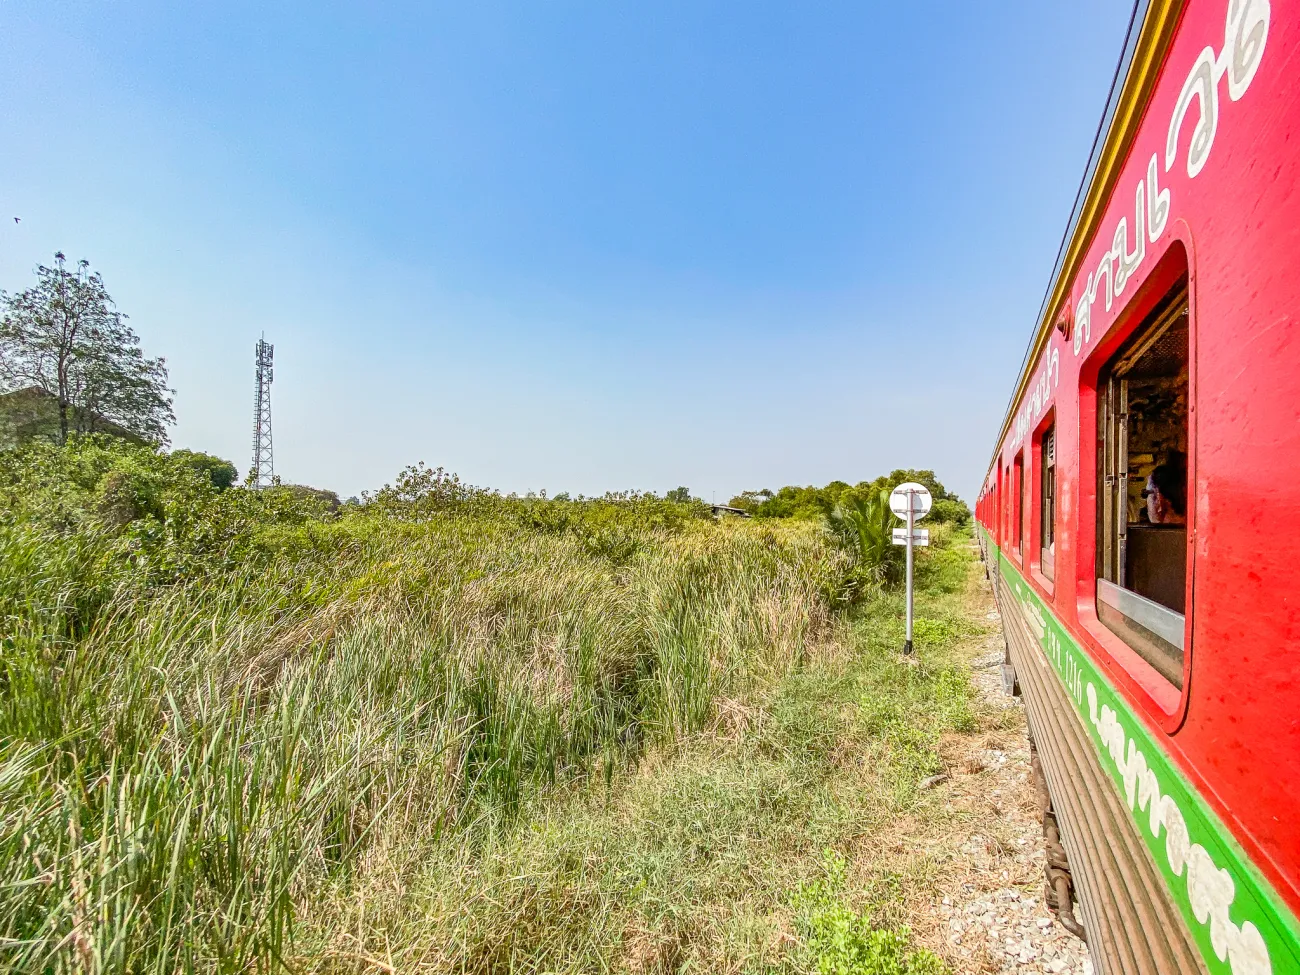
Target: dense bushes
[[217, 703], [819, 503], [100, 516], [222, 473]]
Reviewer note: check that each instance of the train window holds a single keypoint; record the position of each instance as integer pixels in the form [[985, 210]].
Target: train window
[[1018, 486], [1004, 506], [1142, 518], [1047, 502]]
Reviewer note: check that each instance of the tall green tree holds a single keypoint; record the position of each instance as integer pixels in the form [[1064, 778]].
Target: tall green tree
[[65, 337], [222, 473], [947, 506], [894, 478]]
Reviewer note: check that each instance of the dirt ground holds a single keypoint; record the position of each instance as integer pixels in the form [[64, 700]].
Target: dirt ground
[[987, 912]]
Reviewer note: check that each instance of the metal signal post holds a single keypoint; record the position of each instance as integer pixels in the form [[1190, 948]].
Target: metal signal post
[[911, 520], [910, 501]]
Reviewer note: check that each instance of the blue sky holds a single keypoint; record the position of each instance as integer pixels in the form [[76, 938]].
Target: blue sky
[[571, 246]]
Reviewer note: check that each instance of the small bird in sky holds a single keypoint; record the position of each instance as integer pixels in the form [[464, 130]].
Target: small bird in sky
[[17, 219]]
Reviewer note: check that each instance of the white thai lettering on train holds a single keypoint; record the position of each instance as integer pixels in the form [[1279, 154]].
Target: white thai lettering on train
[[1039, 397], [1202, 84], [1128, 262], [1245, 33], [1210, 888], [1157, 202], [1244, 36]]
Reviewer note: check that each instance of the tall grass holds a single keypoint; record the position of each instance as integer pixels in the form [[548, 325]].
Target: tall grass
[[190, 759], [709, 854]]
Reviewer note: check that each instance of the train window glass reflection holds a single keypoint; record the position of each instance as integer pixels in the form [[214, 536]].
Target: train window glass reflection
[[1047, 502], [1142, 518]]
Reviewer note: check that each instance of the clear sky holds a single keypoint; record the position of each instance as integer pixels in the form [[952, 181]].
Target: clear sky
[[571, 246]]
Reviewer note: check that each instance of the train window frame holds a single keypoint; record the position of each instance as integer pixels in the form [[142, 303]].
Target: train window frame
[[1017, 539], [1165, 701], [1009, 510], [1004, 505], [1044, 507]]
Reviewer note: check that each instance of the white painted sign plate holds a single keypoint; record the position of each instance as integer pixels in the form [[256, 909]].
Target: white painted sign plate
[[920, 536], [920, 496]]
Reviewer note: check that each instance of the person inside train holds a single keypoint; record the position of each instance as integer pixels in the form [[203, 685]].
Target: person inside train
[[1166, 492]]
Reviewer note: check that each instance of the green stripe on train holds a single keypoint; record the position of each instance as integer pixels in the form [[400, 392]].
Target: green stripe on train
[[1237, 919]]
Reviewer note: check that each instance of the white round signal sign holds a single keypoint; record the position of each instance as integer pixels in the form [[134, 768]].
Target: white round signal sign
[[915, 494]]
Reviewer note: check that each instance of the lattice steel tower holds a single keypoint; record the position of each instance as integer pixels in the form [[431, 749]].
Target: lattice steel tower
[[262, 471]]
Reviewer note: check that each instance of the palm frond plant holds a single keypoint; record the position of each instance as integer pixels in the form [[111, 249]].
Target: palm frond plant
[[865, 524]]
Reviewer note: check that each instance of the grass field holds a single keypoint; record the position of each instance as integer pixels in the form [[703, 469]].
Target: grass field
[[748, 847], [446, 732]]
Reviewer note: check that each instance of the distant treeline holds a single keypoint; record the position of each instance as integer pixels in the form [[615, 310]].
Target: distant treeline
[[817, 503]]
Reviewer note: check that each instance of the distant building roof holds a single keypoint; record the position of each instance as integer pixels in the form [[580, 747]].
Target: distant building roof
[[725, 509]]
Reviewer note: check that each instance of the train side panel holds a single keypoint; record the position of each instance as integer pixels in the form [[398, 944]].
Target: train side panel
[[1209, 191]]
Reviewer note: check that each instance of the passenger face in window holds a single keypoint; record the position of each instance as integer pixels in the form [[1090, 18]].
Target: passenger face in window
[[1166, 494]]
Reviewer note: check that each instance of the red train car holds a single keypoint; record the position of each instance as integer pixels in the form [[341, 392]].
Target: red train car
[[1141, 512]]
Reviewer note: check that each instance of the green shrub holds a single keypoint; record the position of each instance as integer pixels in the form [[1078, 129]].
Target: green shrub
[[838, 940], [949, 511], [221, 473]]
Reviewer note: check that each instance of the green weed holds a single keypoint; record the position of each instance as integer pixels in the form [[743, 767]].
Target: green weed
[[838, 940]]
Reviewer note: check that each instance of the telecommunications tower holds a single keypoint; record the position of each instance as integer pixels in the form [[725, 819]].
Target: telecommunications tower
[[262, 471]]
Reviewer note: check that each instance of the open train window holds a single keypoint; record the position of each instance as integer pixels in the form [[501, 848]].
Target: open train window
[[1047, 502], [1142, 472]]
